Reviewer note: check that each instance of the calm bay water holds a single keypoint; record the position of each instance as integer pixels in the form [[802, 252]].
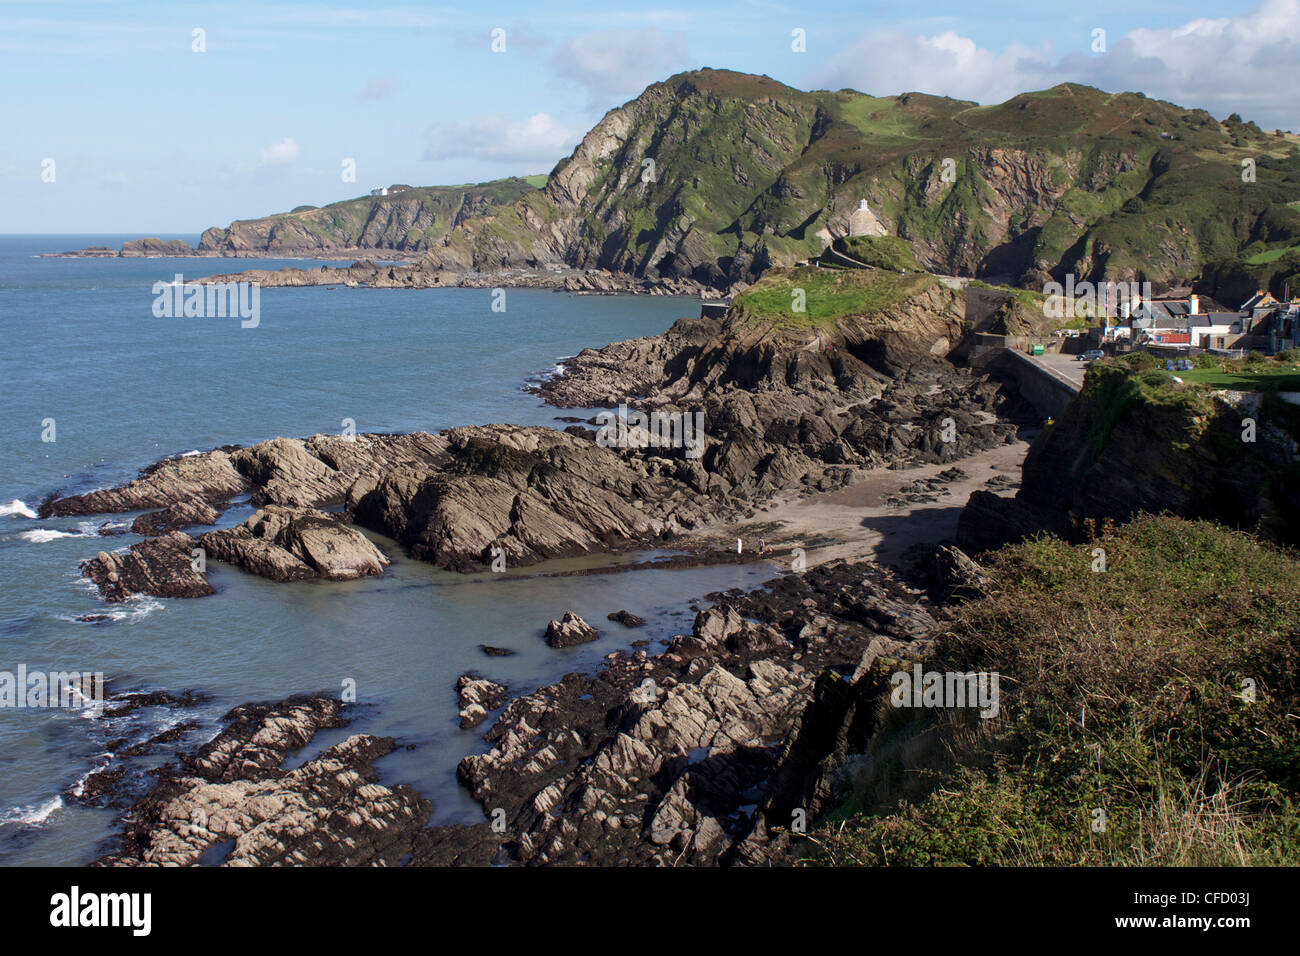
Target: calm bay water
[[124, 388]]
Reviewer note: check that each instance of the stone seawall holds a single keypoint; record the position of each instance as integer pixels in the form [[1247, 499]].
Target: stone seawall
[[1047, 390]]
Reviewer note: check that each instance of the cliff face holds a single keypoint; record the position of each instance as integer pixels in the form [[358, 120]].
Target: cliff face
[[412, 220], [1132, 442], [715, 176]]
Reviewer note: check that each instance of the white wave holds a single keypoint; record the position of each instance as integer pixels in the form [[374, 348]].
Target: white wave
[[135, 609], [540, 378], [31, 816], [42, 535], [79, 788], [17, 508], [92, 529]]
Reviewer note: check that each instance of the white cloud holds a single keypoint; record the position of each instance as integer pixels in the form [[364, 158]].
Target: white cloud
[[1225, 65], [616, 63], [535, 139], [285, 151]]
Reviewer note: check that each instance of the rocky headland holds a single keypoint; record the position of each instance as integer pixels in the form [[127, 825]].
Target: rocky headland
[[786, 406], [725, 746], [1007, 189]]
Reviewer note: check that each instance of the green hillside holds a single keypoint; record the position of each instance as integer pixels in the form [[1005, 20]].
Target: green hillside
[[715, 176], [408, 220]]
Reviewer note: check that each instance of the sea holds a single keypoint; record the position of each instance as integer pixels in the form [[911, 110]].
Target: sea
[[94, 386]]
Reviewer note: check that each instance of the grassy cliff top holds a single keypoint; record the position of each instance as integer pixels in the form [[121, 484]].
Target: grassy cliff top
[[826, 295], [496, 191]]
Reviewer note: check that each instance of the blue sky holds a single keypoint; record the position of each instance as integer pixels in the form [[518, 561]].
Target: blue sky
[[149, 137]]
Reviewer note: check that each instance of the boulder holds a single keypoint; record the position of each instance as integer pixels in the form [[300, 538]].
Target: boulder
[[478, 696], [570, 631]]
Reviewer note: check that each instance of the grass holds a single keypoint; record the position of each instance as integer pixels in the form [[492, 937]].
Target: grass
[[1245, 378], [1270, 255], [828, 295], [1160, 692], [883, 252]]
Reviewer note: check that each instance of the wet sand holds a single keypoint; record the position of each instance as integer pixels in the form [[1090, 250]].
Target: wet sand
[[857, 522]]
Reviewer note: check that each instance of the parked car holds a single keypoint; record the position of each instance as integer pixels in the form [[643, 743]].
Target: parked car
[[1091, 355]]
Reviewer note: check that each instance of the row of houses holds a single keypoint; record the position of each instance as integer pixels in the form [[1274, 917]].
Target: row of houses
[[1262, 322]]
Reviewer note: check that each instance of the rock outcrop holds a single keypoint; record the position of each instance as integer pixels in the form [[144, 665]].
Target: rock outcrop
[[532, 493], [670, 759], [186, 513], [1134, 441], [211, 477], [232, 803], [162, 567], [478, 696], [292, 544], [626, 618]]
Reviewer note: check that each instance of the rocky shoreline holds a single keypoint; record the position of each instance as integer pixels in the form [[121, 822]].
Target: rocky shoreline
[[700, 754], [420, 274], [777, 417]]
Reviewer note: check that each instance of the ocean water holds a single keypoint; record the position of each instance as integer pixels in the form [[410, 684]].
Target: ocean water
[[123, 388]]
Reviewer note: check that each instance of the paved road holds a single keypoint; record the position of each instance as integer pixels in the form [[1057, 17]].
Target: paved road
[[1067, 365]]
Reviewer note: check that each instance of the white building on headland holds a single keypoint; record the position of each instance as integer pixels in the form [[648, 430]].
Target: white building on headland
[[863, 222], [379, 191]]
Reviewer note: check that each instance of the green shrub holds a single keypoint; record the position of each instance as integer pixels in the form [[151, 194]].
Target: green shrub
[[1142, 361], [1124, 691]]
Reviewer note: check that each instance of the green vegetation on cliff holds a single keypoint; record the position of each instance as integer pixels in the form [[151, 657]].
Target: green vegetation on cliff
[[716, 176], [883, 252], [826, 295], [409, 220], [1146, 714]]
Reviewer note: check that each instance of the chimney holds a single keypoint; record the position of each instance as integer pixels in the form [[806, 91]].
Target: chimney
[[1193, 306]]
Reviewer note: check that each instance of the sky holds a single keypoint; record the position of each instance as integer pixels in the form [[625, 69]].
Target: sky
[[153, 118]]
